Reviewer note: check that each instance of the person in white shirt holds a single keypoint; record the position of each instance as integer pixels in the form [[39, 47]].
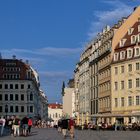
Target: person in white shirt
[[2, 124]]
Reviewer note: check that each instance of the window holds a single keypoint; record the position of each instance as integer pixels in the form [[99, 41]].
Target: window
[[122, 54], [22, 86], [137, 66], [138, 28], [6, 86], [129, 83], [16, 86], [137, 100], [0, 97], [133, 39], [116, 70], [31, 97], [129, 67], [129, 101], [11, 109], [115, 56], [122, 69], [11, 97], [130, 30], [122, 84], [22, 97], [129, 53], [16, 97], [6, 108], [6, 97], [0, 86], [122, 42], [122, 101], [137, 52], [31, 109], [29, 86], [116, 102], [11, 86], [16, 109], [137, 82], [1, 109], [22, 108], [116, 85], [56, 115]]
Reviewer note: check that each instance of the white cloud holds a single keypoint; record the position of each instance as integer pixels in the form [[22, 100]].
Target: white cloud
[[109, 17], [48, 51]]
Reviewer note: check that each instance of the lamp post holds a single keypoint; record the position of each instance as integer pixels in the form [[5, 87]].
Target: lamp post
[[6, 110]]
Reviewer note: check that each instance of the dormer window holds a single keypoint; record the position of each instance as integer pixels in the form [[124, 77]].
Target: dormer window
[[138, 37], [137, 51], [130, 31], [133, 39], [122, 41], [122, 54], [138, 28], [129, 53], [115, 56]]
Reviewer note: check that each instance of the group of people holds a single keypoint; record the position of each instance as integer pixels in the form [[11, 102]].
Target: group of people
[[65, 126], [16, 126]]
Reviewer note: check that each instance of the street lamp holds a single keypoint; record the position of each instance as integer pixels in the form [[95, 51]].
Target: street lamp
[[6, 110]]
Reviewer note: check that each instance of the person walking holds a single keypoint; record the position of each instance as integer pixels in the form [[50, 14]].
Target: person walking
[[71, 127], [2, 124], [16, 124], [59, 125], [30, 123], [10, 124], [64, 127], [25, 125]]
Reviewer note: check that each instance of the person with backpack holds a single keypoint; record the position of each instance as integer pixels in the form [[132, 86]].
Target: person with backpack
[[16, 124], [30, 123]]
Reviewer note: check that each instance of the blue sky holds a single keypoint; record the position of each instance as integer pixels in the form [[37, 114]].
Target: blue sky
[[51, 34]]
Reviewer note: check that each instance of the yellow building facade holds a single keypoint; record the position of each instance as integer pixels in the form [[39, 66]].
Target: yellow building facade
[[125, 71]]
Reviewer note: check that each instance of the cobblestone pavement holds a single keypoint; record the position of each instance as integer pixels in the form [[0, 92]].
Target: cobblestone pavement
[[52, 134]]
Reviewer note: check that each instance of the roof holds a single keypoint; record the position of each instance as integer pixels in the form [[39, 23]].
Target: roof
[[55, 106]]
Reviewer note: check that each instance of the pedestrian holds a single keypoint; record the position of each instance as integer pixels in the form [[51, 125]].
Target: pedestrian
[[71, 127], [25, 126], [10, 124], [64, 127], [2, 124], [116, 125], [59, 125], [16, 125], [30, 123]]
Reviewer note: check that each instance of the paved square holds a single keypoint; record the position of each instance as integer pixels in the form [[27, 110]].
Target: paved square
[[52, 134]]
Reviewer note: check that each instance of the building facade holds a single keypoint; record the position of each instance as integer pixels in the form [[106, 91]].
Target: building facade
[[125, 71], [54, 111], [43, 104], [19, 88], [97, 67]]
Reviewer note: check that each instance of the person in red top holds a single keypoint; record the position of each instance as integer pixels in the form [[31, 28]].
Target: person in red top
[[71, 127], [30, 123]]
